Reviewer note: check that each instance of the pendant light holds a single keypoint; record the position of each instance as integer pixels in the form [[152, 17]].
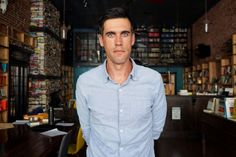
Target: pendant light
[[63, 27], [206, 22]]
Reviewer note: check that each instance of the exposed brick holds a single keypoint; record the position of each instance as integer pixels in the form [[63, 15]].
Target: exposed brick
[[222, 24], [17, 15]]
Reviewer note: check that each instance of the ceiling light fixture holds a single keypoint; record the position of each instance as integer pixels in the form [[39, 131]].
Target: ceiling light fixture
[[206, 18]]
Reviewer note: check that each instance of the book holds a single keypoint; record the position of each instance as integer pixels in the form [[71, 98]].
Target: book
[[210, 106], [220, 107], [217, 104], [229, 107]]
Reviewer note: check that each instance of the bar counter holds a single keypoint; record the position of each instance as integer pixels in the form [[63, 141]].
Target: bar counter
[[189, 109], [219, 134]]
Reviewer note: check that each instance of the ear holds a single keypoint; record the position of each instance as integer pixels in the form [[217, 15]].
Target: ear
[[100, 40], [133, 38]]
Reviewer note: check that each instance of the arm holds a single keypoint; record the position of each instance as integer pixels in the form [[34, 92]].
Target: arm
[[82, 110], [159, 110]]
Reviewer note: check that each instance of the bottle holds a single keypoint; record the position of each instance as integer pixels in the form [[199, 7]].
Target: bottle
[[51, 115]]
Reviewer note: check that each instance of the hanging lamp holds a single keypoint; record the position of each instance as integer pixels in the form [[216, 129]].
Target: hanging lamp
[[206, 22], [63, 27]]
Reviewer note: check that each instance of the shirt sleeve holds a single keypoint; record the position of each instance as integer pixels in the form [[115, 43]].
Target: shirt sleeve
[[82, 110], [159, 110]]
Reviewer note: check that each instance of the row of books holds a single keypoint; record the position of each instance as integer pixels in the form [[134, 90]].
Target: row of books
[[45, 14], [225, 107]]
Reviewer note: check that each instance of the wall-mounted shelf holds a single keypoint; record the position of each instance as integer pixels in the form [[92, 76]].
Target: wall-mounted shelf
[[161, 46], [214, 74], [4, 77]]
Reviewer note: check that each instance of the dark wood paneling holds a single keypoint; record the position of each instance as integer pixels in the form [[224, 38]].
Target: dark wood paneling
[[219, 134], [189, 124]]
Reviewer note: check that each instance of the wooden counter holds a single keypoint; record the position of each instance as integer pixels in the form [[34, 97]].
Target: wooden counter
[[219, 135], [189, 123]]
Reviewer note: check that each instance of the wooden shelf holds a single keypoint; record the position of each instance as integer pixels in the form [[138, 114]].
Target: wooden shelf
[[4, 60], [67, 82], [215, 72]]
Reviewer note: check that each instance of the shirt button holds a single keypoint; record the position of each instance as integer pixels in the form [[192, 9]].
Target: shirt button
[[121, 110], [121, 148], [121, 130]]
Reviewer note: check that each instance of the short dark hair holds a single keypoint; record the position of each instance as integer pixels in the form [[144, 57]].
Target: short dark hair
[[117, 12]]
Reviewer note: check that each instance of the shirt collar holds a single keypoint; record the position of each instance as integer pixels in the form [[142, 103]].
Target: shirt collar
[[133, 73]]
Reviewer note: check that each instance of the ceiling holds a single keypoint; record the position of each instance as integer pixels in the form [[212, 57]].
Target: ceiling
[[84, 13]]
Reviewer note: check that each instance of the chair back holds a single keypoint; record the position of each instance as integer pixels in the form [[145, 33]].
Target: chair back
[[74, 148], [64, 145]]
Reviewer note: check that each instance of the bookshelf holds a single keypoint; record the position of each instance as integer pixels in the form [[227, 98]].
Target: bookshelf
[[201, 77], [153, 46], [87, 48], [234, 62], [169, 80], [45, 63], [4, 76], [161, 46], [188, 79], [205, 76], [225, 72], [213, 75], [67, 82]]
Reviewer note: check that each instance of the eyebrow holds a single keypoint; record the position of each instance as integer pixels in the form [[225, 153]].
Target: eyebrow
[[112, 32], [125, 32]]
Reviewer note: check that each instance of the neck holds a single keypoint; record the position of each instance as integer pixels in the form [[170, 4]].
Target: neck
[[119, 73]]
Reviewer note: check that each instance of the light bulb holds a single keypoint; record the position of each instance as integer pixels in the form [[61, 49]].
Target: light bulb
[[63, 31], [206, 27]]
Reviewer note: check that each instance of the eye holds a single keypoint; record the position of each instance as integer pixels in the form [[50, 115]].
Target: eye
[[125, 34], [110, 34]]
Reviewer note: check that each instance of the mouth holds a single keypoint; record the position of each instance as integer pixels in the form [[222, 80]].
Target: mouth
[[119, 51]]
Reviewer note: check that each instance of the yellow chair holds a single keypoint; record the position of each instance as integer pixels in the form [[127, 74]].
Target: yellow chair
[[74, 148]]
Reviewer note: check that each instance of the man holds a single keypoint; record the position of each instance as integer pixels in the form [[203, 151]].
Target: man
[[121, 105]]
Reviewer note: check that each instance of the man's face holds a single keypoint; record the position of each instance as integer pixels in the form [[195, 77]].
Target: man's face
[[117, 39]]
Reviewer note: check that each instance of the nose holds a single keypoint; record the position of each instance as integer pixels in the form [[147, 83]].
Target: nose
[[118, 40]]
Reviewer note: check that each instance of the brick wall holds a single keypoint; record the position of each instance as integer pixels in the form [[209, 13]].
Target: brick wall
[[222, 24], [17, 15]]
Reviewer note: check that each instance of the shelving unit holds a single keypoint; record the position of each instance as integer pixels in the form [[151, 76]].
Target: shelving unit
[[234, 63], [205, 76], [21, 46], [194, 78], [169, 80], [154, 46], [4, 76], [225, 72], [214, 74], [212, 77], [140, 48], [161, 46], [198, 77], [87, 48], [45, 63], [67, 82], [188, 79]]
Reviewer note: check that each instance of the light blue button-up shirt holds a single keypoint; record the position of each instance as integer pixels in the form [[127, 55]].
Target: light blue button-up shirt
[[121, 120]]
